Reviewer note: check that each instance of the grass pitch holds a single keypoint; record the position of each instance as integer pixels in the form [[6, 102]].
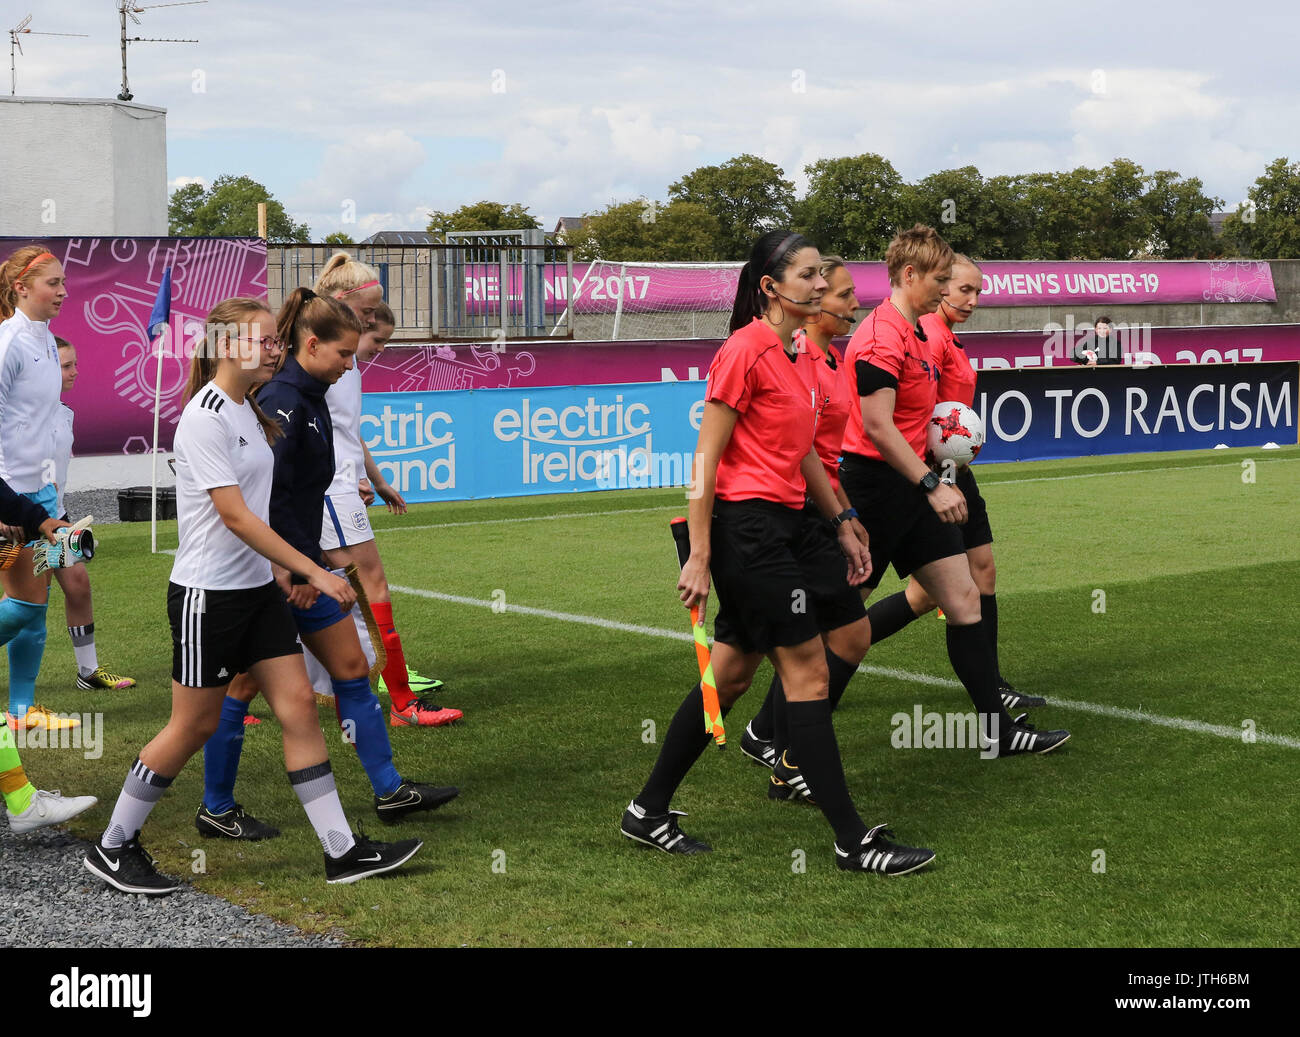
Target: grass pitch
[[1136, 593]]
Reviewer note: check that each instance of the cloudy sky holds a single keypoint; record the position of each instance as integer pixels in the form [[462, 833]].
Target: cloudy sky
[[565, 106]]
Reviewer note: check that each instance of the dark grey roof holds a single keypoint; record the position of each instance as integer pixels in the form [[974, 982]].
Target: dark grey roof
[[401, 237]]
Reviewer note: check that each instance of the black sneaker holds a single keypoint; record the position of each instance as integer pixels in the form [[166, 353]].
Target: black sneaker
[[779, 790], [878, 854], [1025, 738], [660, 831], [1012, 699], [233, 824], [410, 798], [128, 868], [367, 858], [757, 749], [786, 773]]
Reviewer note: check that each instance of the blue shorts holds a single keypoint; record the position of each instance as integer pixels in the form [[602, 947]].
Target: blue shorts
[[325, 613], [48, 498]]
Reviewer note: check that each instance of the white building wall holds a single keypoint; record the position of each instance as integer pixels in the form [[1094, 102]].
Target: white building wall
[[82, 166]]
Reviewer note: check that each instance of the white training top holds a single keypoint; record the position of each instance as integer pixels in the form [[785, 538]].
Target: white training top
[[344, 401], [62, 451], [30, 383], [219, 443]]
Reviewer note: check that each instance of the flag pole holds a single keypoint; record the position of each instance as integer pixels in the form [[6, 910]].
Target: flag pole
[[157, 398]]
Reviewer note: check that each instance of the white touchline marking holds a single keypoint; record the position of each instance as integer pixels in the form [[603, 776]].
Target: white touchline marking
[[530, 518], [1114, 712]]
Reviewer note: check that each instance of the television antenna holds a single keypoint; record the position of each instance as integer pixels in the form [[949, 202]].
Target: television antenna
[[128, 7], [21, 29]]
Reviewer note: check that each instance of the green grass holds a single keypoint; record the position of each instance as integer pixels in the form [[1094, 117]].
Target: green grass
[[1198, 569]]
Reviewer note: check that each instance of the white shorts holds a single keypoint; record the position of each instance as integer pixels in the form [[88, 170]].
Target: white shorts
[[316, 672], [345, 522]]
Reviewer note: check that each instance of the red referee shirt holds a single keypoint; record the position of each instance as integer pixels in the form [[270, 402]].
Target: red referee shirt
[[835, 401], [777, 401], [956, 372], [885, 340]]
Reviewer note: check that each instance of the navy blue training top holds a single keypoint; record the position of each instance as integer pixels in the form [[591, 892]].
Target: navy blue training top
[[304, 456]]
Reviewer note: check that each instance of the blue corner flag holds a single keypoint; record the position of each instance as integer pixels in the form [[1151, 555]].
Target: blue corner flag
[[162, 306]]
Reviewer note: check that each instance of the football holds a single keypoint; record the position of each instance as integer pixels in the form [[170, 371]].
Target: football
[[955, 435]]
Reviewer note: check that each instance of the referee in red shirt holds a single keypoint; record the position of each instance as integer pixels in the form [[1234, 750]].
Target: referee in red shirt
[[779, 589], [956, 382], [913, 517]]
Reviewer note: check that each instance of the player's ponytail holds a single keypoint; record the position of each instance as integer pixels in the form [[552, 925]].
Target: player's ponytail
[[22, 266], [223, 323], [305, 313], [769, 257], [343, 275]]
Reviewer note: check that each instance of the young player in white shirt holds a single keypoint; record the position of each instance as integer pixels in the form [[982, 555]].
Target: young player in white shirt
[[228, 614], [75, 581]]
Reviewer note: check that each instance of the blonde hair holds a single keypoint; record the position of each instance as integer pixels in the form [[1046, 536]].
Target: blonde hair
[[203, 365], [921, 248], [961, 259], [342, 273], [830, 264], [15, 270]]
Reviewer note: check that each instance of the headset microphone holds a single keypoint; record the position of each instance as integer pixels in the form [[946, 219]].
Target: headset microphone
[[847, 318], [797, 302]]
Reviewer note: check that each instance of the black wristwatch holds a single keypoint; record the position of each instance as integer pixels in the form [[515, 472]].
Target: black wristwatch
[[844, 516], [929, 483]]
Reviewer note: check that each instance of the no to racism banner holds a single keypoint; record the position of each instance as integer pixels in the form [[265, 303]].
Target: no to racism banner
[[471, 444], [112, 284]]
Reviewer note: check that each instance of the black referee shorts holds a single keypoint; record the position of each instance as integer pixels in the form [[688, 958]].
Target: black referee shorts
[[903, 528], [977, 531], [780, 576], [217, 634]]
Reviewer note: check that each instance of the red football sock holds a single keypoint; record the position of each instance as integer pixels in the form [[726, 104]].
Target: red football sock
[[399, 690]]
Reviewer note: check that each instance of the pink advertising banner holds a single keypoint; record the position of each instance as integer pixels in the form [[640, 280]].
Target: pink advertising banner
[[112, 285], [647, 288], [427, 368]]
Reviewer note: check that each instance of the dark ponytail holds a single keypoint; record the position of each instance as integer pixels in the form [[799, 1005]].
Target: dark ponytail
[[306, 313], [769, 257]]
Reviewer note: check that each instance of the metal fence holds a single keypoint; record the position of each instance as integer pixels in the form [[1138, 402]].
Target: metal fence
[[452, 292]]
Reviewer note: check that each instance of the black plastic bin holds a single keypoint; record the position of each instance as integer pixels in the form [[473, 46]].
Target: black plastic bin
[[133, 503]]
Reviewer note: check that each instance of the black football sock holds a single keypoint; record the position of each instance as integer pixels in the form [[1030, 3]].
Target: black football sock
[[814, 749], [841, 673], [685, 740], [764, 724], [989, 617], [889, 615], [780, 717], [968, 651]]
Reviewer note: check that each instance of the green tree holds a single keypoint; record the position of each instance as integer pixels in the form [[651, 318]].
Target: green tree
[[338, 238], [483, 216], [1267, 226], [646, 231], [1178, 212], [854, 205], [229, 209], [747, 196]]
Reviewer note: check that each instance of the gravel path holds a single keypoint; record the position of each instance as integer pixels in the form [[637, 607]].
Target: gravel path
[[100, 503], [52, 901]]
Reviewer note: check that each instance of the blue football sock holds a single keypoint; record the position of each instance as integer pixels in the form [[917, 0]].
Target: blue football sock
[[26, 648], [221, 757], [363, 722]]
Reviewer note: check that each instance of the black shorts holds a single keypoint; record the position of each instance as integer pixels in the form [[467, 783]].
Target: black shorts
[[780, 576], [217, 634], [977, 531], [903, 528]]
